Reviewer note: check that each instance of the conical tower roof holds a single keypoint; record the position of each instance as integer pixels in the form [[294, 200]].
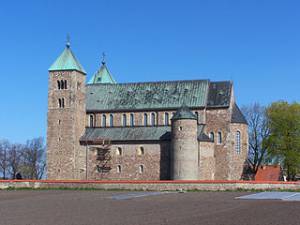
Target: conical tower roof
[[102, 76], [184, 113], [67, 61]]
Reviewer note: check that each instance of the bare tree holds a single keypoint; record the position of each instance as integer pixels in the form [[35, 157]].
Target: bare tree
[[14, 159], [33, 159], [258, 132], [4, 149]]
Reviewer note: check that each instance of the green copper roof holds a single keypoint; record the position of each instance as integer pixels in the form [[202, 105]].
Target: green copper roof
[[184, 113], [148, 95], [131, 134], [102, 76], [67, 61]]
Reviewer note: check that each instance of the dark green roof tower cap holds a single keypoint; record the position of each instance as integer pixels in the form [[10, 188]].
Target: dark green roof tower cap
[[184, 113], [67, 61]]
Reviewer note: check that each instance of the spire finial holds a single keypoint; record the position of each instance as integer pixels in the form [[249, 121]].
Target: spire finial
[[68, 44], [103, 58]]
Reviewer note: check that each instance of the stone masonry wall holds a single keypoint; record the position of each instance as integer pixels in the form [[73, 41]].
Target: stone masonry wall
[[207, 167], [154, 159], [65, 125], [218, 120]]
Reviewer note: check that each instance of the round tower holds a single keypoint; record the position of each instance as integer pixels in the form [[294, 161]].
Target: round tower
[[184, 145]]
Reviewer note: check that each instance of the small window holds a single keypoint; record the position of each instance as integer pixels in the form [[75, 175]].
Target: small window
[[58, 85], [61, 102], [153, 119], [103, 120], [65, 82], [145, 119], [141, 169], [140, 151], [124, 120], [111, 120], [180, 128], [238, 142], [212, 136], [219, 137], [92, 121], [119, 169], [131, 119], [59, 122], [119, 151], [62, 84], [166, 119]]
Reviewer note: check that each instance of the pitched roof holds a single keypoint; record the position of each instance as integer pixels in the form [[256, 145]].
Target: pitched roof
[[237, 116], [184, 113], [146, 95], [131, 134], [67, 61], [219, 94], [102, 76]]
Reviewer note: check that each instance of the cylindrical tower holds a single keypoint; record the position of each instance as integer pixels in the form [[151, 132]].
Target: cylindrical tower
[[184, 145]]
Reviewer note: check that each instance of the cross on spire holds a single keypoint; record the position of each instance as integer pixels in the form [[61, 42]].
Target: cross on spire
[[103, 58], [68, 44]]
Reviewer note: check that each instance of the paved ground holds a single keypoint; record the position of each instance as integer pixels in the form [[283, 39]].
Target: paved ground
[[104, 207]]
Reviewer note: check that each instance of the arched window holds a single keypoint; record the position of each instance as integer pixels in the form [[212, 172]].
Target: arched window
[[141, 168], [140, 151], [61, 102], [119, 169], [65, 82], [111, 120], [131, 119], [62, 84], [238, 142], [152, 119], [145, 119], [58, 85], [92, 121], [103, 120], [212, 136], [124, 120], [119, 151], [166, 119], [219, 137]]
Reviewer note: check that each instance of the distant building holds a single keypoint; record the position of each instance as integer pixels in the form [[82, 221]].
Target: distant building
[[269, 173], [186, 130]]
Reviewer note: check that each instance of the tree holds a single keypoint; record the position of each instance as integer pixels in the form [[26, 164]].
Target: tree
[[14, 159], [258, 132], [33, 159], [4, 148], [284, 138]]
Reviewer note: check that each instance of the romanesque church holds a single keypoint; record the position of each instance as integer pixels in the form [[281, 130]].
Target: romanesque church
[[164, 130]]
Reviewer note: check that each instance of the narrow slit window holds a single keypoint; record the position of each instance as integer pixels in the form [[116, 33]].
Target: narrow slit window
[[62, 84], [124, 120], [141, 169], [238, 142], [58, 85], [212, 136], [103, 120], [166, 119], [65, 82], [145, 119], [92, 121], [153, 119], [111, 120], [219, 137], [131, 119]]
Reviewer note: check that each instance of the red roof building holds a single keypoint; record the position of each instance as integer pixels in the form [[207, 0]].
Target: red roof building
[[268, 173]]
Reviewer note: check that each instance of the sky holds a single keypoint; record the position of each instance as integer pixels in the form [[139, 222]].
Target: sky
[[256, 44]]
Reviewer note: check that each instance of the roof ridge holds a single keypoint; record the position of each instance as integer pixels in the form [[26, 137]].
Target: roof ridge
[[152, 82]]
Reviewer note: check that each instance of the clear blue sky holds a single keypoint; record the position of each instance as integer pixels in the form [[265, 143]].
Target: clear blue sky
[[254, 43]]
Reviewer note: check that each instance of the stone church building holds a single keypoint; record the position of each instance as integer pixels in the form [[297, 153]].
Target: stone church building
[[182, 130]]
